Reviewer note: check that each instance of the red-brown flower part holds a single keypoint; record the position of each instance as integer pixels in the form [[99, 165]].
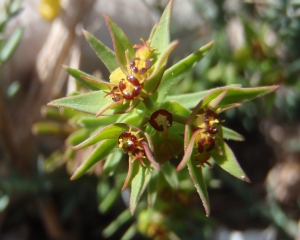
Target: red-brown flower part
[[130, 88], [161, 119], [210, 119], [128, 142]]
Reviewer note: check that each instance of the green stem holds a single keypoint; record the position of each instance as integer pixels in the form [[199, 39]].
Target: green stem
[[180, 119], [148, 103]]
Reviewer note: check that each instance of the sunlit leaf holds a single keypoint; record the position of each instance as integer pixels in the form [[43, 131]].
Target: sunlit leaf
[[121, 44], [139, 184], [98, 154], [111, 162], [178, 71], [225, 158], [198, 180], [106, 55], [233, 95], [229, 134]]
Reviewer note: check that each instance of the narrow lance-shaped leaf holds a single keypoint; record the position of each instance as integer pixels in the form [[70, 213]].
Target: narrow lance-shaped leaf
[[152, 188], [160, 37], [106, 55], [112, 131], [99, 153], [169, 173], [198, 180], [233, 95], [229, 134], [178, 71], [82, 76], [121, 44], [11, 45], [139, 184], [226, 160], [89, 102]]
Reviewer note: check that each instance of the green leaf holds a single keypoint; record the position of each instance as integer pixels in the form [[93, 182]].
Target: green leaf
[[226, 160], [51, 128], [198, 180], [78, 75], [229, 134], [106, 55], [152, 189], [117, 223], [158, 69], [170, 174], [177, 72], [54, 161], [78, 136], [233, 95], [112, 131], [109, 200], [121, 44], [112, 162], [90, 102], [11, 45], [96, 102], [130, 232], [98, 154], [138, 184], [160, 37], [91, 121]]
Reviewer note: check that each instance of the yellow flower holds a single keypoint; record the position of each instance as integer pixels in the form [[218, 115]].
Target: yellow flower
[[49, 9]]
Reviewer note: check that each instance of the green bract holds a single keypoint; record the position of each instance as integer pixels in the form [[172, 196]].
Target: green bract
[[134, 113]]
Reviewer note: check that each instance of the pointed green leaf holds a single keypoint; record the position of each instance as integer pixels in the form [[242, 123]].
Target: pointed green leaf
[[178, 71], [90, 121], [121, 44], [117, 223], [233, 95], [98, 154], [158, 69], [152, 189], [112, 162], [160, 37], [106, 55], [226, 160], [109, 200], [198, 180], [96, 102], [112, 131], [229, 134], [78, 136], [11, 45], [77, 74], [90, 102], [170, 174], [133, 169], [139, 184], [130, 232]]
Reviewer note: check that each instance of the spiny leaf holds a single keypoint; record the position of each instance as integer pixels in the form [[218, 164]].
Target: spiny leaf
[[139, 184], [233, 95], [178, 71], [197, 178], [225, 158], [106, 55], [121, 44], [98, 154]]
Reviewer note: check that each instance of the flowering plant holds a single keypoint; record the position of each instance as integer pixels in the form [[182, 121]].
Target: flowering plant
[[134, 112]]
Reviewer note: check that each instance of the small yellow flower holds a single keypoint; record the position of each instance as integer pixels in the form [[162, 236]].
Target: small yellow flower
[[49, 9]]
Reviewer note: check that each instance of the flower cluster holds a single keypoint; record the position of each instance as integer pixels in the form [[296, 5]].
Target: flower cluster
[[134, 108]]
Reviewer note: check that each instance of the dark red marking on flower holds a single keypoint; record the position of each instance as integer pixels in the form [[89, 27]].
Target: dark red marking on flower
[[209, 116], [128, 141], [161, 118], [133, 66], [206, 144], [138, 153], [130, 92]]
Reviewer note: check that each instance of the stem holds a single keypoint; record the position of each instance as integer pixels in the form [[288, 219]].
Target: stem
[[148, 103], [180, 119]]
